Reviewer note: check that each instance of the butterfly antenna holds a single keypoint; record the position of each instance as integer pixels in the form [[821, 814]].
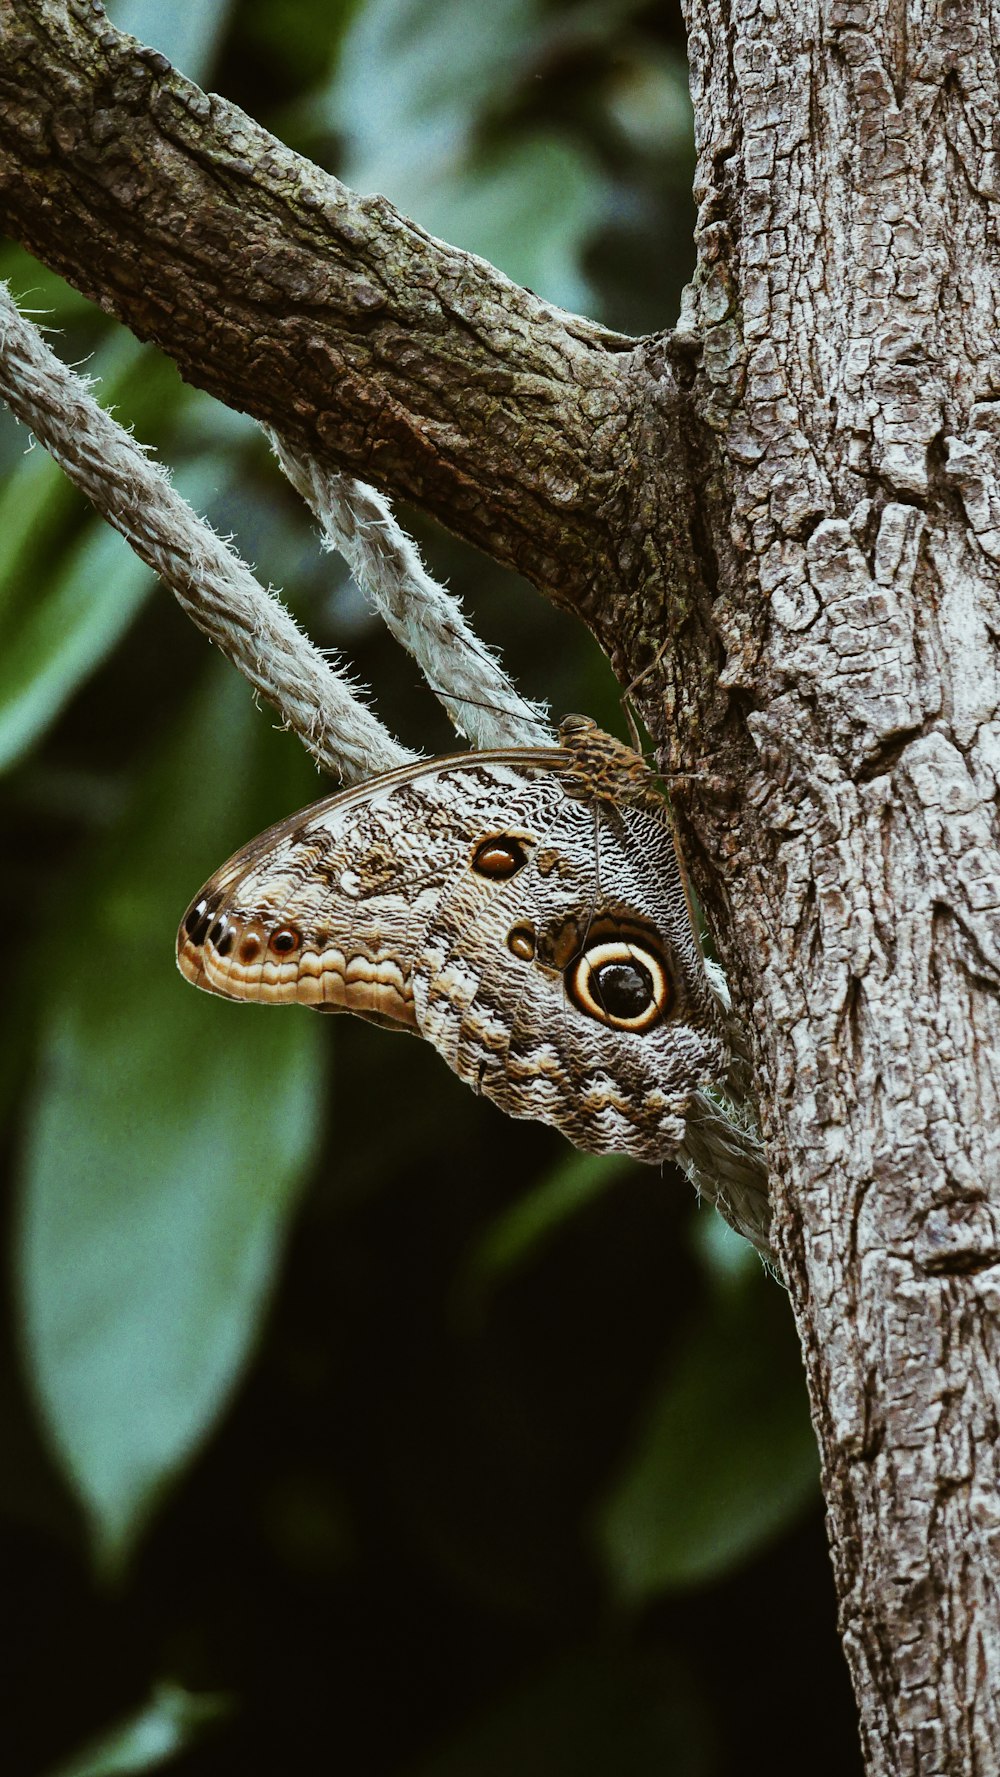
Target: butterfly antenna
[[651, 668], [480, 703], [633, 727]]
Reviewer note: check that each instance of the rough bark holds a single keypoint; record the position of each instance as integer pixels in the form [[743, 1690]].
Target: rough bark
[[845, 318], [791, 506], [329, 316]]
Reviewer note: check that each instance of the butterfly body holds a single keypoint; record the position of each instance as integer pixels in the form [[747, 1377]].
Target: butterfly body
[[524, 910]]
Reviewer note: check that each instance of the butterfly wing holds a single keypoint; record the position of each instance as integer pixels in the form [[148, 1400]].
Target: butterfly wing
[[590, 1008], [328, 907], [539, 937]]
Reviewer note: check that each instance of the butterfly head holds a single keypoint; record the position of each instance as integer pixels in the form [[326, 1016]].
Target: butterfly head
[[604, 768]]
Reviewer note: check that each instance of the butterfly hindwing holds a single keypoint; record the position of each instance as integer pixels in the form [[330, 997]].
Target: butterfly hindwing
[[505, 906], [521, 1019]]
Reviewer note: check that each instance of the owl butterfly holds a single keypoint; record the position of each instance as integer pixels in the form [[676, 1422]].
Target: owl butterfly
[[525, 910]]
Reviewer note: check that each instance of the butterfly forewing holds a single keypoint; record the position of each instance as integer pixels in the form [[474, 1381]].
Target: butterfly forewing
[[505, 1013], [327, 907], [534, 930]]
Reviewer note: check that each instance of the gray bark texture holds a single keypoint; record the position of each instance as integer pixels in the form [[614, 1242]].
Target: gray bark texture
[[845, 323], [786, 517]]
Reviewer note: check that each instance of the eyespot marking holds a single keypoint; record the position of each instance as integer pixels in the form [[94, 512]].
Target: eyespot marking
[[249, 948], [499, 857], [521, 940], [194, 917], [284, 940], [624, 989], [621, 981]]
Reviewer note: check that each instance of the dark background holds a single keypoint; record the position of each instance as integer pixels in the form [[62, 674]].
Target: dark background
[[347, 1425]]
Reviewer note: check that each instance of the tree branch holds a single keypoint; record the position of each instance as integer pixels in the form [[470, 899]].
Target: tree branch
[[371, 347], [329, 316]]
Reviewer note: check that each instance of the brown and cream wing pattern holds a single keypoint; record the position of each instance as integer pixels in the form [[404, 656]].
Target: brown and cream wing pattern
[[524, 911]]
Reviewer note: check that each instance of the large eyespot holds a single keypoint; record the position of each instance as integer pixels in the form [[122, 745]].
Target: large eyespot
[[499, 857], [622, 982]]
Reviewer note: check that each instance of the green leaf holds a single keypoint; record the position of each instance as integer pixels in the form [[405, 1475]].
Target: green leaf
[[75, 623], [727, 1457], [170, 1137], [38, 502], [435, 66], [36, 499], [528, 204], [168, 1724], [64, 606]]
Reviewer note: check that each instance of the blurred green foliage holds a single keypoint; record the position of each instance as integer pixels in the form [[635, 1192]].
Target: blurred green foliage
[[155, 1198], [346, 1424], [168, 1724]]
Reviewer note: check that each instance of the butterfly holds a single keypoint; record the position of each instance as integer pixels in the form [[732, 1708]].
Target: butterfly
[[525, 910]]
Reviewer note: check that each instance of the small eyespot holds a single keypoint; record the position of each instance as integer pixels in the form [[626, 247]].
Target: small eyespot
[[521, 940], [222, 937], [499, 858], [194, 917], [249, 948], [199, 918], [285, 939], [622, 983]]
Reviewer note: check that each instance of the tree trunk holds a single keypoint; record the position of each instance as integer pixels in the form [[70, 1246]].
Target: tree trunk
[[844, 317], [786, 515]]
